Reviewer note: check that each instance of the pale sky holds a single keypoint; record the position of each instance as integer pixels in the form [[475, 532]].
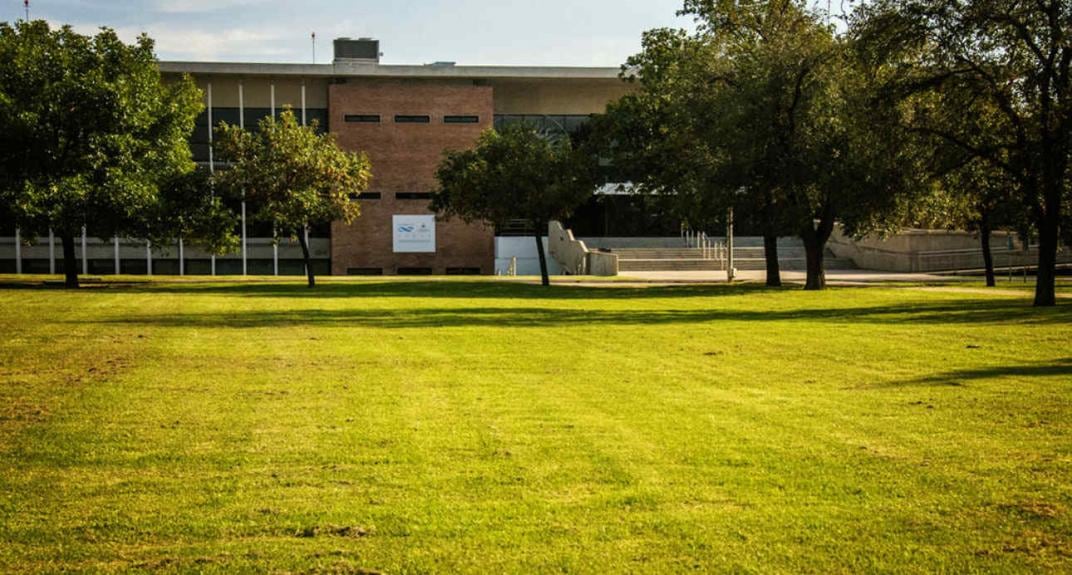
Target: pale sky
[[469, 32]]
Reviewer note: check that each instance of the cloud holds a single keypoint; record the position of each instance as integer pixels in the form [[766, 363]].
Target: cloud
[[195, 6], [188, 43], [231, 43]]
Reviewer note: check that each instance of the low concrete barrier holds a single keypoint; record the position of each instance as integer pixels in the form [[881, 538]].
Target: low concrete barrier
[[575, 257], [921, 251]]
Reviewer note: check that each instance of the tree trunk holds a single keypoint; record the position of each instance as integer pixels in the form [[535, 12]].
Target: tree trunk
[[1045, 293], [813, 251], [70, 266], [988, 256], [770, 252], [305, 256], [545, 278]]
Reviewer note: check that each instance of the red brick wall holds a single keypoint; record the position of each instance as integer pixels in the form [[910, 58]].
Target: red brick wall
[[404, 159]]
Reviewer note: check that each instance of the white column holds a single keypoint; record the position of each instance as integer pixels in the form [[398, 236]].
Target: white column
[[303, 102], [211, 163], [51, 251], [182, 264], [148, 258], [271, 91], [85, 255], [244, 270], [18, 251], [275, 250], [242, 125], [115, 254], [306, 232]]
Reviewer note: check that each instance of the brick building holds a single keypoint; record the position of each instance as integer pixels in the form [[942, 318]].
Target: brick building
[[404, 118]]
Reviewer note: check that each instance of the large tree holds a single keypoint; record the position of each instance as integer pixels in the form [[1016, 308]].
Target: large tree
[[89, 132], [1010, 56], [515, 174], [765, 108], [292, 176]]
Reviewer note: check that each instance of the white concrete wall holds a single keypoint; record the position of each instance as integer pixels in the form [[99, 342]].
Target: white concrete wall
[[524, 249]]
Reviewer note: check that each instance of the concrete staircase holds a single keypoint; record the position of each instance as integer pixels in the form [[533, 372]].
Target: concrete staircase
[[657, 255]]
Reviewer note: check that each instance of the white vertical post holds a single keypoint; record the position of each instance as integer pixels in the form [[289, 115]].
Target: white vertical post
[[271, 90], [303, 103], [242, 125], [306, 232], [51, 251], [244, 238], [182, 265], [730, 276], [148, 258], [18, 251], [115, 254], [211, 163], [275, 250], [85, 255]]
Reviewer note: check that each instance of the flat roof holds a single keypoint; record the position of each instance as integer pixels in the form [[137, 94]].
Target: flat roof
[[374, 70]]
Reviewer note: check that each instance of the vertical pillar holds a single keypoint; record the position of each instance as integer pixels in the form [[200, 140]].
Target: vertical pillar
[[244, 270], [115, 255], [730, 275], [51, 251], [18, 251], [85, 254], [211, 163], [303, 122], [275, 232], [242, 125], [148, 258], [182, 260]]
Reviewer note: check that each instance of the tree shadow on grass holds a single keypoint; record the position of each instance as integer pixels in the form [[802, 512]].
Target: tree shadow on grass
[[960, 377], [454, 289], [968, 311]]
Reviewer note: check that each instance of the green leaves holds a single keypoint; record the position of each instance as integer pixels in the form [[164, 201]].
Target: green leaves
[[291, 175], [514, 173], [90, 130]]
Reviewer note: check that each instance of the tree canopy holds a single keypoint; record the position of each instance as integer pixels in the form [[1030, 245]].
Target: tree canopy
[[90, 132], [954, 62], [292, 176], [515, 174], [764, 108]]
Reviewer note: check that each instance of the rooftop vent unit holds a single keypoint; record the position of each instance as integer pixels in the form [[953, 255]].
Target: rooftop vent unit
[[362, 50]]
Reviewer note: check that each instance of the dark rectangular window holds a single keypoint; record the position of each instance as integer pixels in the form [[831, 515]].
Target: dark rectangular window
[[414, 271], [461, 119], [364, 271], [413, 196], [463, 271], [366, 196], [362, 118], [400, 119]]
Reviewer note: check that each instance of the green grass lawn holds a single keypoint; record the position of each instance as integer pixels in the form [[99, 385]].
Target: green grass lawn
[[484, 427]]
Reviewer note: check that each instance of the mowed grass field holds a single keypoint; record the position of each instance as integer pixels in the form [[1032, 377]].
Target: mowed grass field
[[486, 427]]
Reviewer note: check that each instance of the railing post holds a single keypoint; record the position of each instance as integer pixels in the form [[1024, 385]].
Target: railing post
[[85, 255], [18, 251]]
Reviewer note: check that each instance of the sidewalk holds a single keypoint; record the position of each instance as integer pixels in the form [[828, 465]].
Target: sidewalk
[[833, 277]]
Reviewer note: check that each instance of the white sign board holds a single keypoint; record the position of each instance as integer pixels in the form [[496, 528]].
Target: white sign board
[[414, 234]]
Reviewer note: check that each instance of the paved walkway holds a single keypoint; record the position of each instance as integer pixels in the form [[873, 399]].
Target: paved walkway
[[833, 277]]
